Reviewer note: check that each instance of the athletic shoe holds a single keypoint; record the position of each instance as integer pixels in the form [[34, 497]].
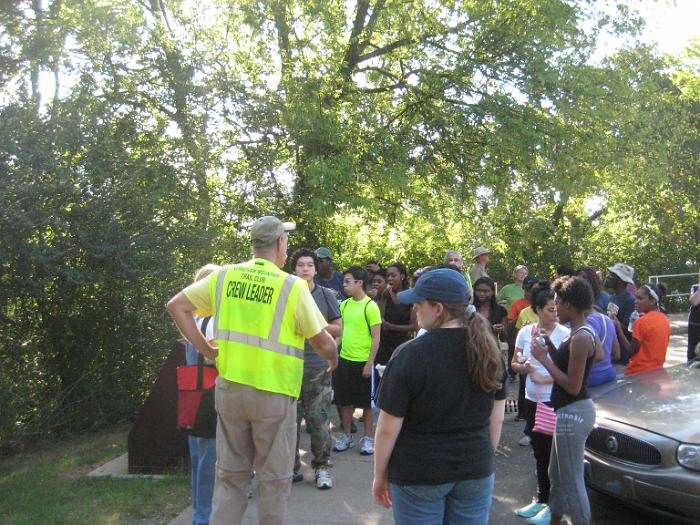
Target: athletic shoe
[[525, 441], [323, 479], [528, 511], [366, 446], [297, 477], [543, 517], [343, 443]]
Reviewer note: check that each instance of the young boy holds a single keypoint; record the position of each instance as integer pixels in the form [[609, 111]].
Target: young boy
[[316, 391], [352, 379]]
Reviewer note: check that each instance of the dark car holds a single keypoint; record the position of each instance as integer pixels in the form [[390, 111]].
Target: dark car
[[645, 446]]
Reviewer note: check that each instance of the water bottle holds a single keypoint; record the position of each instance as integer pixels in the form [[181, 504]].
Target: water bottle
[[633, 317], [541, 340]]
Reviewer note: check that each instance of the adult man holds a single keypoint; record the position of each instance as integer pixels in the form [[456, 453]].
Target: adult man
[[622, 302], [261, 317], [455, 259], [481, 260], [316, 390], [327, 277]]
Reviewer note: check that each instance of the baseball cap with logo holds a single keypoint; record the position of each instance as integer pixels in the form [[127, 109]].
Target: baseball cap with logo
[[623, 271], [266, 230]]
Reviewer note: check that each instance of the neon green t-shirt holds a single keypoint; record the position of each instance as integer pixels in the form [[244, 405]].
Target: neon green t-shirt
[[358, 317]]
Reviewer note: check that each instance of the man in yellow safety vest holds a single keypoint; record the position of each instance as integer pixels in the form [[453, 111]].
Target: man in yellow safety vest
[[261, 318]]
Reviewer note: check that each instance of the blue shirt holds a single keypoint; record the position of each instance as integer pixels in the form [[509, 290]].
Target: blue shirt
[[335, 283]]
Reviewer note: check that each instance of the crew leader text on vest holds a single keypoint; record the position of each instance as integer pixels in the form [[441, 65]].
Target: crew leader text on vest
[[250, 291]]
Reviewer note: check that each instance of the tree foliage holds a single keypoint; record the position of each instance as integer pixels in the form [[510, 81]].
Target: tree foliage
[[139, 139]]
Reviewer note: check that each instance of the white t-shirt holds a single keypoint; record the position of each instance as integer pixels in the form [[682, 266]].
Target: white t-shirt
[[538, 391], [209, 335], [210, 327]]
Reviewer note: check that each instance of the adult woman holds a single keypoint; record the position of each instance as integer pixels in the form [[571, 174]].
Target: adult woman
[[485, 304], [439, 423], [202, 449], [538, 387], [513, 291], [569, 368], [650, 334], [398, 320], [694, 319]]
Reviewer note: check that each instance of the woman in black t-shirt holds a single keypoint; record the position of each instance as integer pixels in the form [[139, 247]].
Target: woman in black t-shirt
[[439, 424], [398, 319], [569, 367]]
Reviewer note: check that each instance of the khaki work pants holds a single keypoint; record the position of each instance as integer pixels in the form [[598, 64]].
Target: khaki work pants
[[255, 430]]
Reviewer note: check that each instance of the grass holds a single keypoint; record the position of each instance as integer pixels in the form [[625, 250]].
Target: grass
[[50, 486]]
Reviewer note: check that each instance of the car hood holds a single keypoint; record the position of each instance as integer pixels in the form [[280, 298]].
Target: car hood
[[664, 401]]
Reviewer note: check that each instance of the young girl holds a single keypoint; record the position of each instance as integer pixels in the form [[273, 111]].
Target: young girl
[[650, 334], [569, 367]]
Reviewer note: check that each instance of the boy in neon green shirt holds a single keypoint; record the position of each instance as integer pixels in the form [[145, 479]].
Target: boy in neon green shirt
[[352, 379]]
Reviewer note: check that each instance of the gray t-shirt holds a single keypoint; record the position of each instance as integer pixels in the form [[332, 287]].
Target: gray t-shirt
[[328, 304]]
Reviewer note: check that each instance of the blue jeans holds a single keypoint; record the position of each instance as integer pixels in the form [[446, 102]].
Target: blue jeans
[[202, 461], [461, 502]]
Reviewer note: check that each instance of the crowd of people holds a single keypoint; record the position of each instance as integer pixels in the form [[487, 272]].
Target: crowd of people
[[426, 352]]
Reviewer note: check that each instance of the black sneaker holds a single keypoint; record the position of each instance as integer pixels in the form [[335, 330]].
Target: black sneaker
[[297, 477]]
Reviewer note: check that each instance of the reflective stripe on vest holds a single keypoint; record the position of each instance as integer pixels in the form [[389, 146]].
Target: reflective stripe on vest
[[256, 335], [272, 341]]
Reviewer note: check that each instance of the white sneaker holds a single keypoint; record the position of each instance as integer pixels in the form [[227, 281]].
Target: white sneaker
[[323, 479], [525, 441], [343, 443], [366, 446]]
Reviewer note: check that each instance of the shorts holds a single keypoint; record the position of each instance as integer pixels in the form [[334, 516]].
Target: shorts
[[350, 388]]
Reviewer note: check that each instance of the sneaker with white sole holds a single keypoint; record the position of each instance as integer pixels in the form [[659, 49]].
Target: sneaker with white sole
[[528, 511], [323, 479], [543, 517], [344, 442], [366, 446]]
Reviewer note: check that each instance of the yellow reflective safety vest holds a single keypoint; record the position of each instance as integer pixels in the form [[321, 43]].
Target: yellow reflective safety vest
[[254, 326]]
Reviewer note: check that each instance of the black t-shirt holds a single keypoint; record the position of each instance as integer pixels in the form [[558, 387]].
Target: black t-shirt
[[445, 434], [395, 313]]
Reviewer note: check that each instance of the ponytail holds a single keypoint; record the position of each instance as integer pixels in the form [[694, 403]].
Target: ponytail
[[483, 354]]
